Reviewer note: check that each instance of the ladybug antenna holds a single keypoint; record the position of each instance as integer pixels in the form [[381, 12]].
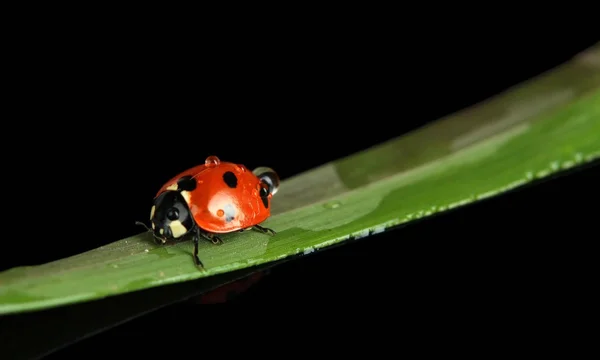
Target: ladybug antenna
[[144, 225], [151, 232]]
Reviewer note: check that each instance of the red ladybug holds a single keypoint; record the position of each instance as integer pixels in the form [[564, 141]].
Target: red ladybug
[[213, 198]]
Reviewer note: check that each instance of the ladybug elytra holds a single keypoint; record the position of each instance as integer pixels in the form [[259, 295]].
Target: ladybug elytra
[[213, 198]]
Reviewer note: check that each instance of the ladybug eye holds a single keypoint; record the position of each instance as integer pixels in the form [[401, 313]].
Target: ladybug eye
[[173, 214], [268, 177]]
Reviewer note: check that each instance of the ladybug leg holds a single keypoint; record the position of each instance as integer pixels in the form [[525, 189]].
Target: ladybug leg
[[211, 237], [196, 238], [264, 230], [214, 239]]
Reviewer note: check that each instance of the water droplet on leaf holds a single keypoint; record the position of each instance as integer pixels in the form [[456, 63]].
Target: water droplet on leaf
[[332, 204]]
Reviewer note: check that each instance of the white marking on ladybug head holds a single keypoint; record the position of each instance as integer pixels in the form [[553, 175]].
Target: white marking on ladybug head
[[177, 228], [173, 186], [152, 212]]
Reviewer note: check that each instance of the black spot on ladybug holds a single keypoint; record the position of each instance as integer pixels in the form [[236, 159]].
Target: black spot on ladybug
[[264, 196], [265, 202], [263, 192], [230, 179], [186, 183]]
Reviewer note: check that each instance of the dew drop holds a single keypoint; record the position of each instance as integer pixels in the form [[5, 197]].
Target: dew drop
[[591, 157], [529, 175], [212, 161], [332, 205], [542, 173], [220, 212], [568, 164], [269, 177]]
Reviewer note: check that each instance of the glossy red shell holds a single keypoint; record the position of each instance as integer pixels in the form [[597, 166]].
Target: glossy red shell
[[219, 208]]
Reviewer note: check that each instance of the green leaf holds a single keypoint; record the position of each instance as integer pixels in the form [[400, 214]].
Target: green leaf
[[543, 127], [32, 335]]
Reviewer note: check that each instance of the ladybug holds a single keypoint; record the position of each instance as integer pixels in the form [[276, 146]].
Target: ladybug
[[213, 198]]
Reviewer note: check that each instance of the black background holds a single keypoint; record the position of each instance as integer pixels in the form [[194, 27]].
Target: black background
[[121, 119], [115, 124]]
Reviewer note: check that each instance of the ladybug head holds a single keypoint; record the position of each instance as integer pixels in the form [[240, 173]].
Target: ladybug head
[[268, 177], [170, 216]]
